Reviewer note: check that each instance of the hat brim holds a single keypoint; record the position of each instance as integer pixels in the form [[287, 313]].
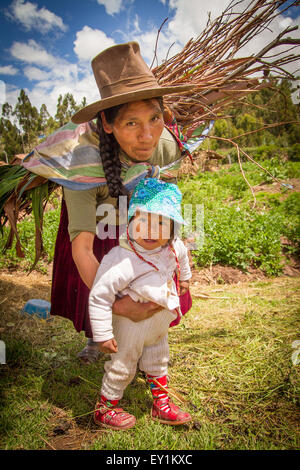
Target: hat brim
[[90, 112]]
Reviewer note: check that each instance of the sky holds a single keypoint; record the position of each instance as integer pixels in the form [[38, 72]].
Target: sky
[[46, 46]]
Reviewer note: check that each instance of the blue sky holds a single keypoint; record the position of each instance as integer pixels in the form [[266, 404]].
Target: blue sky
[[47, 45]]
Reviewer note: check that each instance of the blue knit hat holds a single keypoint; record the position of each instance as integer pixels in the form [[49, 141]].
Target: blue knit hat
[[158, 197]]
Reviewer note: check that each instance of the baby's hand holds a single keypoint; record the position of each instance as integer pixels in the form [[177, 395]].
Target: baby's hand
[[109, 346], [183, 287]]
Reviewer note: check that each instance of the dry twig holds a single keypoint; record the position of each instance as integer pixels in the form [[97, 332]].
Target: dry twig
[[209, 62], [48, 443]]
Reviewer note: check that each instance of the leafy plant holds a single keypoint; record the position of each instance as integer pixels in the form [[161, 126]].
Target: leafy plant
[[26, 229], [241, 239], [294, 152], [235, 233]]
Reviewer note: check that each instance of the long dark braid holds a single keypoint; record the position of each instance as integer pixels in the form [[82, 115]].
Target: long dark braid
[[109, 152]]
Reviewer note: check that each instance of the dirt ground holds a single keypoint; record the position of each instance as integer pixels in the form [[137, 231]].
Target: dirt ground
[[20, 287], [228, 275]]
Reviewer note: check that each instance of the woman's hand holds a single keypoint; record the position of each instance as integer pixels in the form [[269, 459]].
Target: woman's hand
[[109, 346], [183, 287], [135, 311]]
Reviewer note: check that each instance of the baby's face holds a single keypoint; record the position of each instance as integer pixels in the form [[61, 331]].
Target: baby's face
[[150, 231]]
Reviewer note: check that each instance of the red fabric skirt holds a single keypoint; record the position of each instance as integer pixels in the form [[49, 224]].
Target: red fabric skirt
[[69, 294]]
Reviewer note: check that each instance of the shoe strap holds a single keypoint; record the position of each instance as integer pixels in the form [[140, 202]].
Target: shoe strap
[[103, 409]]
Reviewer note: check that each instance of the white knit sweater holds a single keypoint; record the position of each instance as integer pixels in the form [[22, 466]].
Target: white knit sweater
[[122, 272]]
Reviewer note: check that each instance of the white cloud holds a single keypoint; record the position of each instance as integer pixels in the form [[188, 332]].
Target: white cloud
[[191, 17], [52, 76], [8, 70], [34, 73], [136, 24], [111, 6], [187, 19], [48, 91], [285, 22], [89, 42], [32, 53], [31, 17], [8, 93], [2, 93], [147, 44]]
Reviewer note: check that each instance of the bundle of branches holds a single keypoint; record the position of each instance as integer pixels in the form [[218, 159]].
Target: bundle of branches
[[210, 63]]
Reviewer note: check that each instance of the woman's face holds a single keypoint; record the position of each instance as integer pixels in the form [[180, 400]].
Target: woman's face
[[137, 128]]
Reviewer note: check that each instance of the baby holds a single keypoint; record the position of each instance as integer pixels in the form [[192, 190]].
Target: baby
[[143, 266]]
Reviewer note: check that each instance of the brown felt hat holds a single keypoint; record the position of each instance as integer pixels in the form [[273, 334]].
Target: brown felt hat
[[122, 76]]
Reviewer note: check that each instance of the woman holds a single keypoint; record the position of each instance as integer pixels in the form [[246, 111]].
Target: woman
[[131, 131]]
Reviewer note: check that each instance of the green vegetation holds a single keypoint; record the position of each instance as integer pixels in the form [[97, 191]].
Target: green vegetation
[[235, 232], [262, 110], [26, 230]]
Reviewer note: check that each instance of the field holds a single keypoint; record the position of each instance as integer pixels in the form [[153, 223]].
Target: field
[[231, 356]]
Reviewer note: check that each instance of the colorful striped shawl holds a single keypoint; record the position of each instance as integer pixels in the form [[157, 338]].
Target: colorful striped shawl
[[70, 157]]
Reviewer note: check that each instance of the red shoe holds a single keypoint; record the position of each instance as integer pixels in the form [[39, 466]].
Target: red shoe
[[113, 417], [172, 414]]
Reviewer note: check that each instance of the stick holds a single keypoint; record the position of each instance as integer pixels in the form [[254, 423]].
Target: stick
[[48, 443], [174, 394], [168, 391], [88, 381], [207, 297], [166, 19], [83, 414]]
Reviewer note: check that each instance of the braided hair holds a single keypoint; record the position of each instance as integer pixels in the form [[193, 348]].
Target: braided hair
[[109, 152]]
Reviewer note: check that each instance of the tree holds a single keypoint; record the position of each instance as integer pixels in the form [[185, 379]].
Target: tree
[[66, 107], [272, 104], [10, 137], [47, 124], [43, 119], [28, 120]]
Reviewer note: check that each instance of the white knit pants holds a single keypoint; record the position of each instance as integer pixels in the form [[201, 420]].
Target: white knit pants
[[143, 343]]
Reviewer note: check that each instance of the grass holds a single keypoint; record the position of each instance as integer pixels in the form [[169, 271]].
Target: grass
[[229, 358]]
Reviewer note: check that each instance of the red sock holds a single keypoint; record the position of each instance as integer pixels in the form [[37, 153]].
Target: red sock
[[107, 402], [160, 396]]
